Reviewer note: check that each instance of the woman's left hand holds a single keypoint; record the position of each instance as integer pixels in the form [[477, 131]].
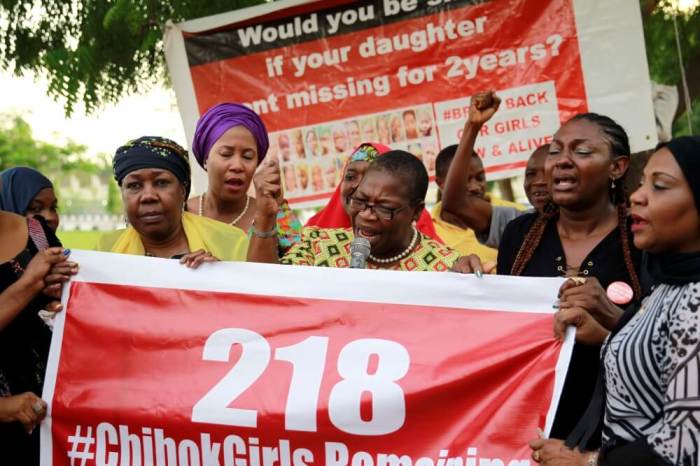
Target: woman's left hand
[[588, 330], [197, 258], [553, 452], [58, 275], [468, 264], [591, 296]]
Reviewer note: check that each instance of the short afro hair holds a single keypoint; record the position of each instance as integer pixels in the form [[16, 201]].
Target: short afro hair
[[406, 166], [444, 160]]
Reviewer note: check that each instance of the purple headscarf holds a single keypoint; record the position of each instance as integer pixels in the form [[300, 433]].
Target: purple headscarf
[[219, 119]]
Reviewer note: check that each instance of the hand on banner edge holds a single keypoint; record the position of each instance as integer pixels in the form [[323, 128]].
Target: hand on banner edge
[[591, 296], [468, 264], [588, 330], [194, 259], [57, 275], [25, 408]]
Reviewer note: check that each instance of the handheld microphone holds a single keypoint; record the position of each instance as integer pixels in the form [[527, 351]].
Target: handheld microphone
[[359, 251]]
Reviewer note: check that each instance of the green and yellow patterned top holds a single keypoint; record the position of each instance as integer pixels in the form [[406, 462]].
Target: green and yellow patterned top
[[330, 247], [289, 227]]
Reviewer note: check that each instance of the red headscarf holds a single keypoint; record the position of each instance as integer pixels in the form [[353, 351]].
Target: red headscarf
[[333, 215]]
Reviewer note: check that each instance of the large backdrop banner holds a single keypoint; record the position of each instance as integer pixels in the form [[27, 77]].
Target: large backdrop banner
[[261, 365], [326, 75]]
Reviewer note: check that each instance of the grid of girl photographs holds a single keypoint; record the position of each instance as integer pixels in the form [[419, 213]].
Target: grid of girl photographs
[[312, 157]]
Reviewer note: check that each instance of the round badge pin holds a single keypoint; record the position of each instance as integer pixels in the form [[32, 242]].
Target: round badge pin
[[620, 292]]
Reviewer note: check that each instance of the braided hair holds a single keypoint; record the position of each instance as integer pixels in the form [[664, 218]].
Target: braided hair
[[617, 138]]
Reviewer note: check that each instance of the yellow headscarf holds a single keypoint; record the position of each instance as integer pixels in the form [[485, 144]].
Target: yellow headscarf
[[223, 241]]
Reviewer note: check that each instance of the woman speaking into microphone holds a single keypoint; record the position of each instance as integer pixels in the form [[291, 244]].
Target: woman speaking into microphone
[[383, 211]]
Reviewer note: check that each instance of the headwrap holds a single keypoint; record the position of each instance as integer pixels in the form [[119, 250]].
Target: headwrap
[[219, 119], [152, 152], [18, 186], [686, 151], [333, 215], [680, 268], [368, 152]]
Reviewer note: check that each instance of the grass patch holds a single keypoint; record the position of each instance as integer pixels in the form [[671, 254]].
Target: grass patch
[[80, 239]]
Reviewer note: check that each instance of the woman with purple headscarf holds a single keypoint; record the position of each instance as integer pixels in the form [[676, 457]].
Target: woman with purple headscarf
[[230, 142]]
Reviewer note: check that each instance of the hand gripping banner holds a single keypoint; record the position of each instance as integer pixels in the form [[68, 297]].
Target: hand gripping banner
[[242, 364]]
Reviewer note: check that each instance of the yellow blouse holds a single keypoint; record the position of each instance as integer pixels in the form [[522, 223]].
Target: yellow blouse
[[463, 239], [223, 241]]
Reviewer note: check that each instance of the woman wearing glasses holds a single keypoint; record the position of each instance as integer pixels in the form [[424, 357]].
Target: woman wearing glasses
[[383, 209], [336, 213]]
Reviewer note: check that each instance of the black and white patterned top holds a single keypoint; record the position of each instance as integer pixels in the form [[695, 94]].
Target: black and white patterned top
[[652, 368]]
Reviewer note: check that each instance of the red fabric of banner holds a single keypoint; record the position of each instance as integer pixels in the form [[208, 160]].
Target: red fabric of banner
[[477, 384], [505, 25]]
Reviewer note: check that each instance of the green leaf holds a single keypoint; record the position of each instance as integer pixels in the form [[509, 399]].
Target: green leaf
[[95, 51]]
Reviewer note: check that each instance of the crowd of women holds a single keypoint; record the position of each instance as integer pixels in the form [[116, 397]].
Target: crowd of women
[[631, 394]]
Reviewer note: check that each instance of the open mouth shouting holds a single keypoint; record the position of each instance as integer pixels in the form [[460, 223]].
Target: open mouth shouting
[[370, 233], [235, 184], [564, 183]]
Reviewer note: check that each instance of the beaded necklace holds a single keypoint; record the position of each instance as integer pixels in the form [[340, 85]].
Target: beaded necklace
[[235, 220], [400, 255]]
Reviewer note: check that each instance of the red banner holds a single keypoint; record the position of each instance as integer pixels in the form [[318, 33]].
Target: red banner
[[326, 75], [154, 364], [435, 55]]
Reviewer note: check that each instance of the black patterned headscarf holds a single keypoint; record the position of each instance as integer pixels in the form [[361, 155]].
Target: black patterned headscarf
[[153, 152]]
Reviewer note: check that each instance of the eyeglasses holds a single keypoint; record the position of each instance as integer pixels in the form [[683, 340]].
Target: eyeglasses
[[384, 213]]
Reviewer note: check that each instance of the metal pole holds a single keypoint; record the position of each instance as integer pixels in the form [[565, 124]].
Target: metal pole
[[686, 92]]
